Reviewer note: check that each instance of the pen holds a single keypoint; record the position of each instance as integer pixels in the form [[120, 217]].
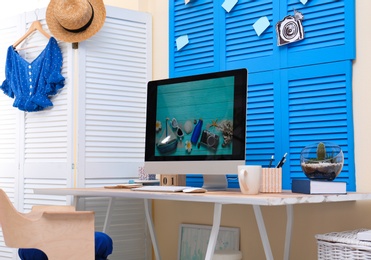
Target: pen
[[271, 161], [282, 161]]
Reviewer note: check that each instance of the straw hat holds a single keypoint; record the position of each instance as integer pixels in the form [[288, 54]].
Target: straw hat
[[75, 20]]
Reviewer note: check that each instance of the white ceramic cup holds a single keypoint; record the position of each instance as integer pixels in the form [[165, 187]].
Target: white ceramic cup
[[249, 178]]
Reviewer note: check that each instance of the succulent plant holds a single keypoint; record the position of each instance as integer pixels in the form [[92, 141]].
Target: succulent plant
[[321, 152]]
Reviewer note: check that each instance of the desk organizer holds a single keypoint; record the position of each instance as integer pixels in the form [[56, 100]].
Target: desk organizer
[[342, 245], [271, 181]]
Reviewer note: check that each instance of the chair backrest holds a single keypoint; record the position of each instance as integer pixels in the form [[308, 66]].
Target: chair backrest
[[9, 217], [60, 232]]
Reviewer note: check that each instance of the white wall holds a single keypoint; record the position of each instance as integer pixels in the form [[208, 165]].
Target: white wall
[[15, 7]]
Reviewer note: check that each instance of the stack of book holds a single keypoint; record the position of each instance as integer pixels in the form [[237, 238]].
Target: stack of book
[[318, 187]]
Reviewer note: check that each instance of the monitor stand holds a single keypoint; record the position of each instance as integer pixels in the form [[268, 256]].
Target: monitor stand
[[215, 182]]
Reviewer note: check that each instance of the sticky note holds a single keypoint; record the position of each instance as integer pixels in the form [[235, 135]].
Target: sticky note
[[181, 41], [229, 4], [303, 1], [261, 25]]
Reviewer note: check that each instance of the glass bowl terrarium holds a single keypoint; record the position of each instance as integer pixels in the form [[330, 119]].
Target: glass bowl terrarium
[[322, 161]]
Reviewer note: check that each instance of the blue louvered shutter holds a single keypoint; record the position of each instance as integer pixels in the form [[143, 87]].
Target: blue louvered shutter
[[329, 30], [278, 74], [197, 20], [292, 108], [317, 107], [243, 47], [260, 139], [219, 40]]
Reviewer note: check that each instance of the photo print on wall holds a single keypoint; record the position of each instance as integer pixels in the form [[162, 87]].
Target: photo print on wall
[[290, 29]]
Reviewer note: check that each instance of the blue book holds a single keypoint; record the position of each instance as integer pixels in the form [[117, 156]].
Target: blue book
[[318, 187]]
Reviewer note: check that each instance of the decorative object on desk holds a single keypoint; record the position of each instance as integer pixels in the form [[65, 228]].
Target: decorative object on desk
[[172, 180], [193, 240], [141, 173], [271, 181], [249, 178], [143, 176], [318, 187], [322, 161]]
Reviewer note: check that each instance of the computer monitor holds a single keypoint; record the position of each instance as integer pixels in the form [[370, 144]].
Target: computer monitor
[[197, 125]]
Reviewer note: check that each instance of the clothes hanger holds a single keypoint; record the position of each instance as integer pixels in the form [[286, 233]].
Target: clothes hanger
[[35, 26]]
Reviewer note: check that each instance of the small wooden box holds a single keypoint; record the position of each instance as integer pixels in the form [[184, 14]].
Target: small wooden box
[[271, 181], [172, 180]]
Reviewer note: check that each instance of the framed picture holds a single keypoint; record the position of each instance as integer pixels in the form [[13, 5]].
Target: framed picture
[[193, 240]]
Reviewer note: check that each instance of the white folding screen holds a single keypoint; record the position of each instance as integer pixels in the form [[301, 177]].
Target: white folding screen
[[94, 133], [9, 118], [46, 136], [114, 68]]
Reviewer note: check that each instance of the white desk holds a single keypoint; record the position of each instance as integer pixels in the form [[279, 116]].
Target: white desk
[[219, 198]]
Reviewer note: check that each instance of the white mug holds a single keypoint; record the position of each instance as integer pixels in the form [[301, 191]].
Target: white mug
[[249, 178]]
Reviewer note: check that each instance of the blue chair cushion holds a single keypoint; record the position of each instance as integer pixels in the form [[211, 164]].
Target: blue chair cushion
[[103, 248]]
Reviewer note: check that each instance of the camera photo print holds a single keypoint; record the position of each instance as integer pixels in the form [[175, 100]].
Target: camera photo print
[[290, 29]]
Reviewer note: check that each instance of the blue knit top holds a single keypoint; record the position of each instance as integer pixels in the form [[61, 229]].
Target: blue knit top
[[31, 83]]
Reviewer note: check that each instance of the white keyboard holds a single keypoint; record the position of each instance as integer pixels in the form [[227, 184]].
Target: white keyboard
[[161, 188]]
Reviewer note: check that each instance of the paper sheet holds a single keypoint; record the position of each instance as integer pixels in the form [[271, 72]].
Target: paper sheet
[[261, 25], [229, 4], [181, 41]]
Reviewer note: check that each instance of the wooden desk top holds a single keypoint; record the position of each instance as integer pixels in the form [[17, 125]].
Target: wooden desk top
[[223, 197]]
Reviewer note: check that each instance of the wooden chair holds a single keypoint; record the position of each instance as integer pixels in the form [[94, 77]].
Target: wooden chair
[[59, 231]]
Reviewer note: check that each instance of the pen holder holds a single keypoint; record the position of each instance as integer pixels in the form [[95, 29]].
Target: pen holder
[[271, 181]]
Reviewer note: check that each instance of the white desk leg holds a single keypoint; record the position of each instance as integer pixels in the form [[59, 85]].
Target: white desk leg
[[290, 217], [152, 233], [107, 221], [214, 231], [263, 232], [75, 202]]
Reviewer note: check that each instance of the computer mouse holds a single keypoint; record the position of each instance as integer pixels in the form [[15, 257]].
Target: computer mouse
[[194, 190]]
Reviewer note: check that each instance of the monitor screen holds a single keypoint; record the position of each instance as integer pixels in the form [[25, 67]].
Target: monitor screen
[[196, 124]]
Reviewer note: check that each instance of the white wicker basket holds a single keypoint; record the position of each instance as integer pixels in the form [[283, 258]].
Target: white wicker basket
[[343, 245]]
